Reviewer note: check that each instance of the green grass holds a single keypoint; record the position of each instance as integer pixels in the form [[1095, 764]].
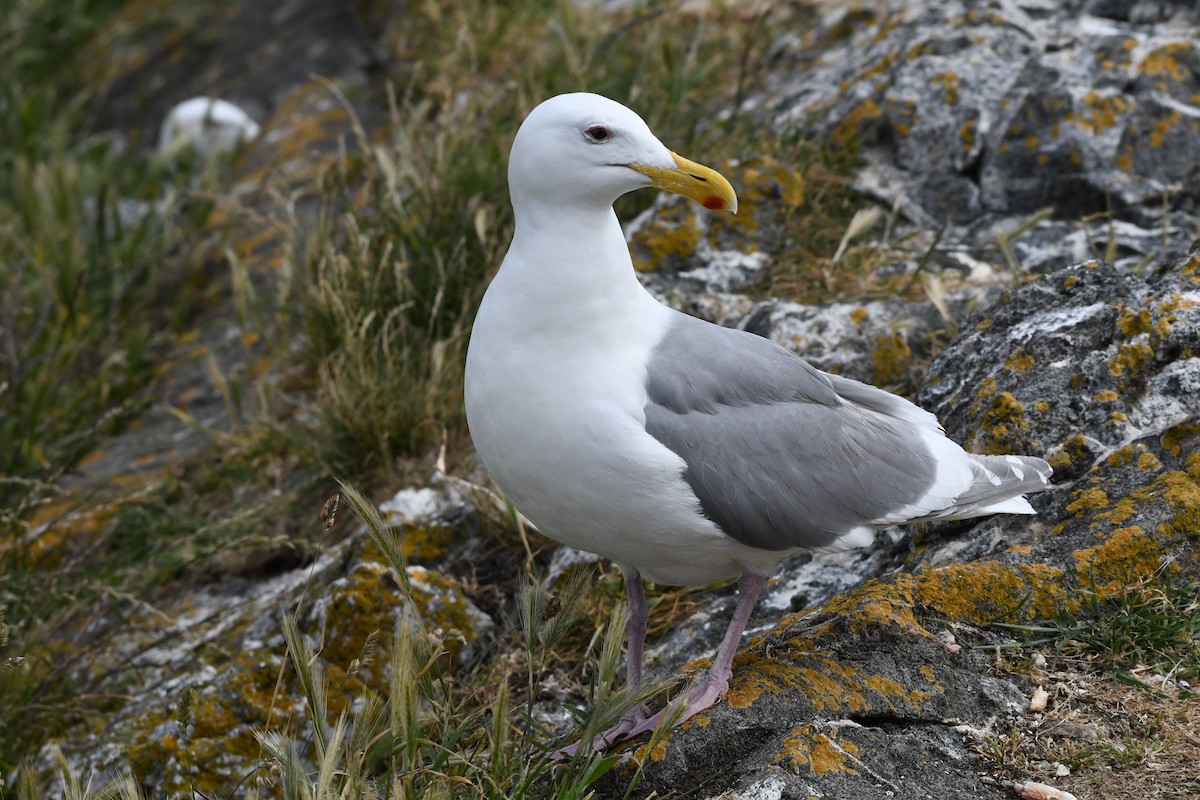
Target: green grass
[[1151, 630]]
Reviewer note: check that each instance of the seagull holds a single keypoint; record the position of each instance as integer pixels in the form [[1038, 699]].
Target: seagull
[[685, 452]]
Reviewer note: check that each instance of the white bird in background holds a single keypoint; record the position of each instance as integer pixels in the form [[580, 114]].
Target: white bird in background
[[684, 451], [208, 124]]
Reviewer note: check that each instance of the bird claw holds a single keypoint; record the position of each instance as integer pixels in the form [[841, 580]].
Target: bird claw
[[640, 721], [617, 733]]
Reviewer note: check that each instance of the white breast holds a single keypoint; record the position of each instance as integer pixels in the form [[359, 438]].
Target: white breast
[[555, 401]]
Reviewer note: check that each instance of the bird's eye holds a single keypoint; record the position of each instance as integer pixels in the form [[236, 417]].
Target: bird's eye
[[598, 133]]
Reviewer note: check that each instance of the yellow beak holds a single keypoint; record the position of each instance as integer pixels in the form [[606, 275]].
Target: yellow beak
[[695, 181]]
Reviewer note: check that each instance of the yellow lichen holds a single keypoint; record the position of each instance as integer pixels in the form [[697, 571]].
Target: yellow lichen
[[967, 134], [1122, 456], [950, 83], [988, 591], [1131, 324], [1148, 462], [1001, 422], [1174, 439], [1089, 499], [1019, 361], [1131, 361], [847, 132], [891, 357], [1100, 111], [1125, 558], [1105, 396], [1164, 62], [1162, 127], [806, 748]]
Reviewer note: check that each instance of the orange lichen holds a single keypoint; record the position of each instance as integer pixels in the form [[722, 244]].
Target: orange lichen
[[1122, 456], [806, 748], [1148, 462], [988, 591], [1162, 127], [1127, 557], [827, 684], [1100, 111], [1089, 499], [1164, 62], [1174, 439]]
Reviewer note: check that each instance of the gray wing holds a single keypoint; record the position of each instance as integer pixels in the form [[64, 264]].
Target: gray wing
[[775, 456]]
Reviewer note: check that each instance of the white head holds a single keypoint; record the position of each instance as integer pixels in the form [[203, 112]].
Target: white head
[[584, 150]]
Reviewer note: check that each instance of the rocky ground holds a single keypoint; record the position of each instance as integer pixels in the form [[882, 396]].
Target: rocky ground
[[1030, 177]]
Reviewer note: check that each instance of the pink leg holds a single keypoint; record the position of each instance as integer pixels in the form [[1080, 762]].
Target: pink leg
[[635, 627], [715, 683]]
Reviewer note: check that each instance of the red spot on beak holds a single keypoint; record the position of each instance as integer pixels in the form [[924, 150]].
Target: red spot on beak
[[714, 203]]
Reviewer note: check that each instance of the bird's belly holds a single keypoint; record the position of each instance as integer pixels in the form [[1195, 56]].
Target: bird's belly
[[575, 459]]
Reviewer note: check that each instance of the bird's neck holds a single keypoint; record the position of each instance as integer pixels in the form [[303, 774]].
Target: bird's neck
[[579, 254]]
